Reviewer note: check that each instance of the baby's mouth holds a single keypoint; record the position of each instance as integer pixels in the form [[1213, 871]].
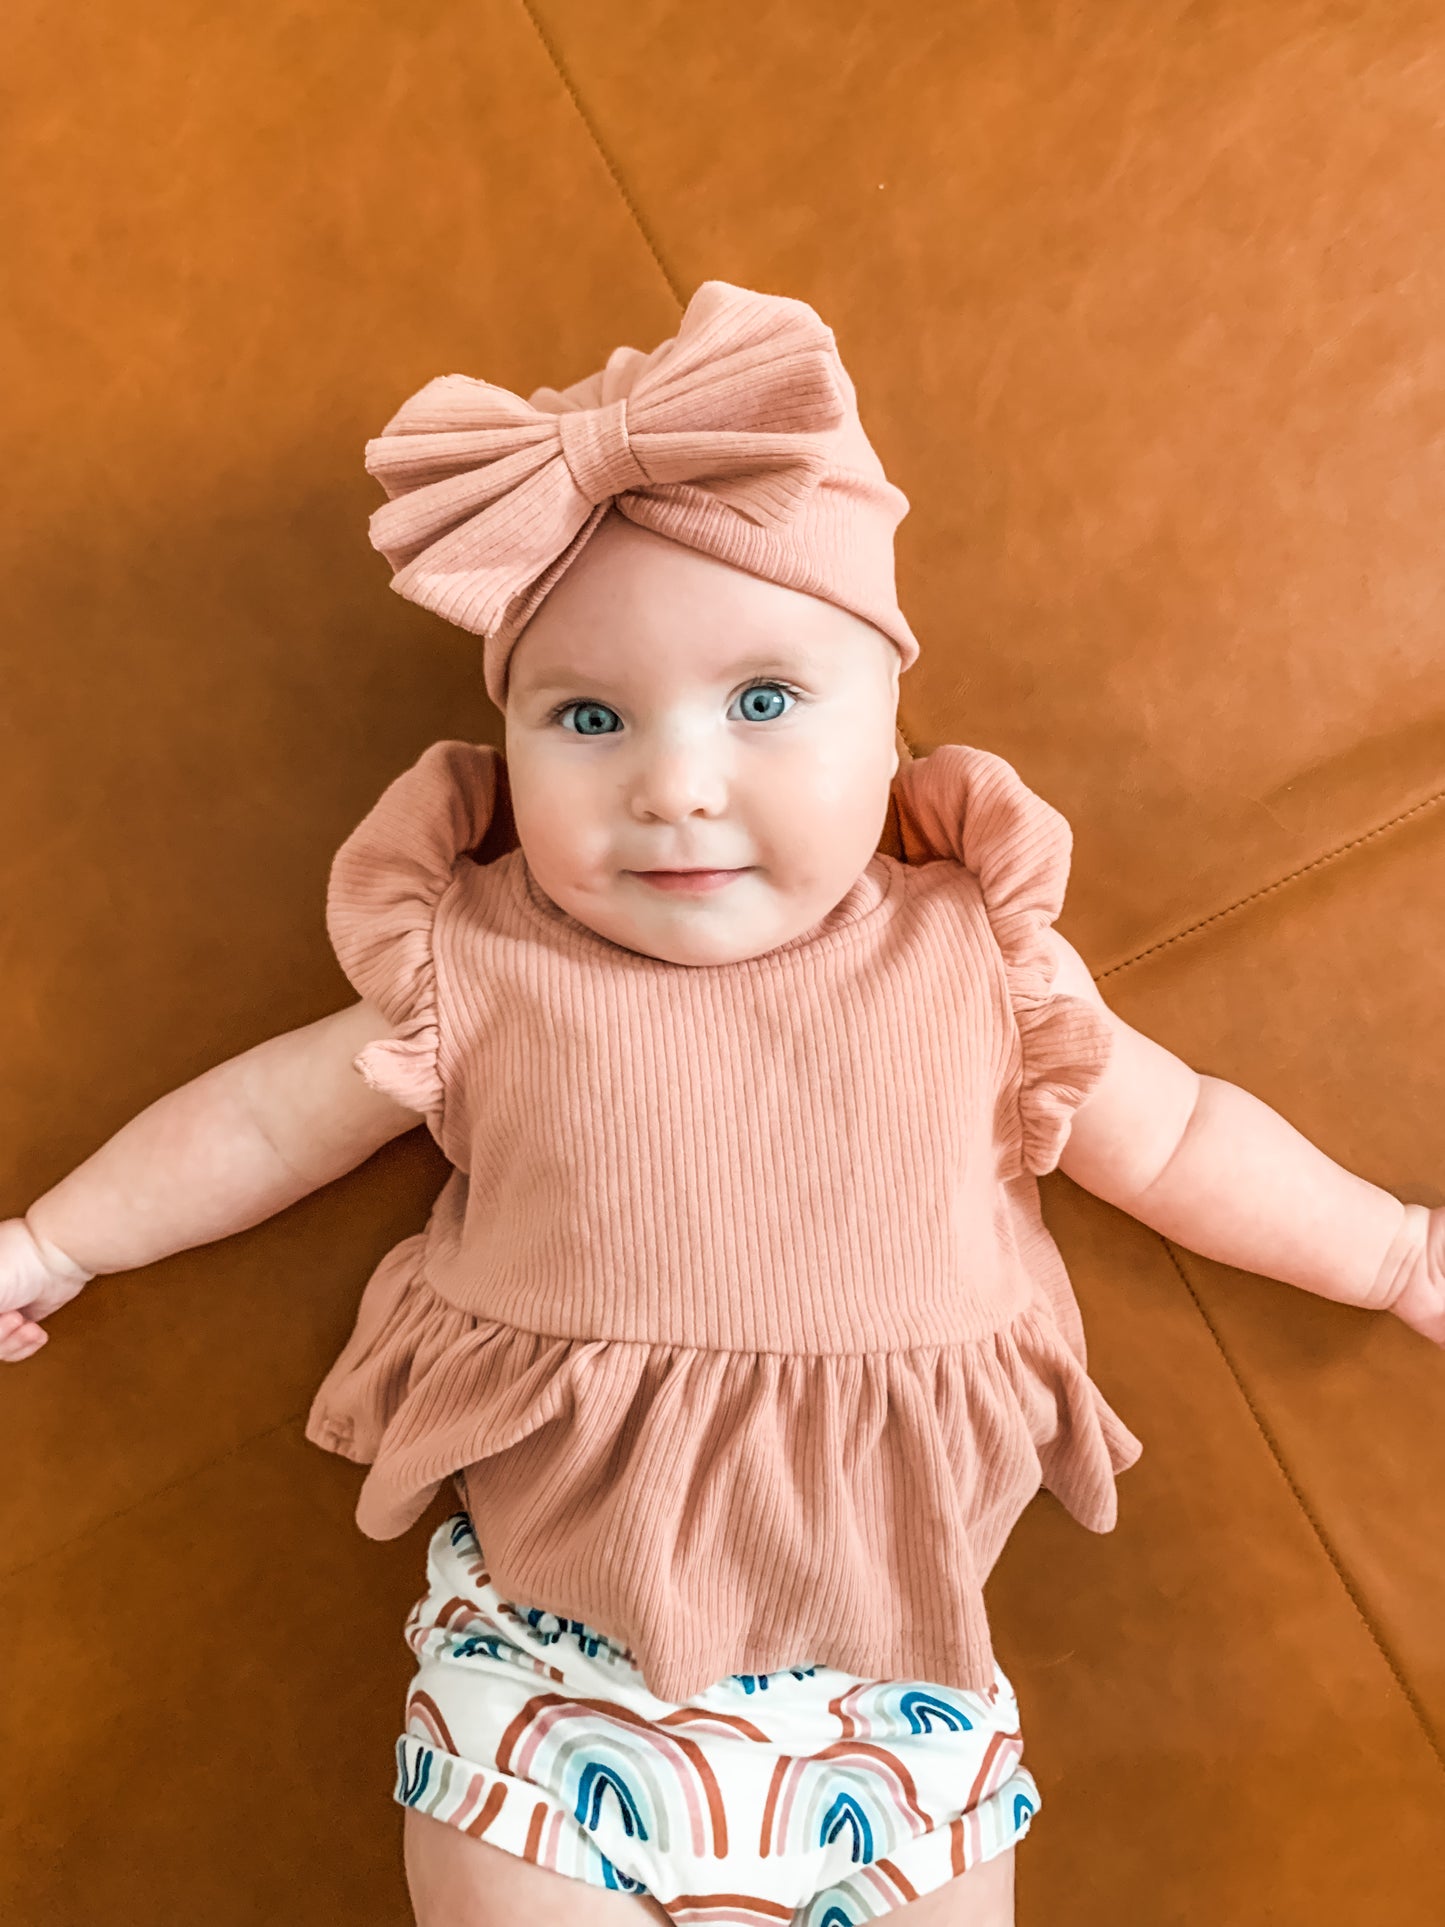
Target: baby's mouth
[[687, 881]]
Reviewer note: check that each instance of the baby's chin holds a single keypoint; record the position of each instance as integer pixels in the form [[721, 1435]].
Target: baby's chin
[[742, 919]]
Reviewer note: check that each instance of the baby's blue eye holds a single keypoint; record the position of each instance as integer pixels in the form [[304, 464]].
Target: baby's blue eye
[[759, 702], [768, 691], [588, 715]]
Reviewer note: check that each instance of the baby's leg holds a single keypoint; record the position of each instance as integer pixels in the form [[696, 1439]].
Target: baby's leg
[[982, 1897], [459, 1881]]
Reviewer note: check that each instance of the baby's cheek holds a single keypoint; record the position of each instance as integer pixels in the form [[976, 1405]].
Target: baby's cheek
[[565, 845]]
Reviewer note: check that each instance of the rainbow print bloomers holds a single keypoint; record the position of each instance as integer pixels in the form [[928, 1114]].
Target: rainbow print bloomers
[[807, 1797]]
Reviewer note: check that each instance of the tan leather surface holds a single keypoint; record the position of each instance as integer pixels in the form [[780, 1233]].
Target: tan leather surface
[[1215, 1731], [1145, 320], [1143, 313]]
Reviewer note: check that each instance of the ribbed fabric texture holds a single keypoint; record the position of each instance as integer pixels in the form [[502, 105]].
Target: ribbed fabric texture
[[738, 437], [738, 1313]]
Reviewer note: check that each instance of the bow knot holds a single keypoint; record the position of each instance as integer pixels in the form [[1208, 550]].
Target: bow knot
[[734, 418], [597, 451]]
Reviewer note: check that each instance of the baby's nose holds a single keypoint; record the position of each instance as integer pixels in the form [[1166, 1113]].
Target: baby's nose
[[673, 785]]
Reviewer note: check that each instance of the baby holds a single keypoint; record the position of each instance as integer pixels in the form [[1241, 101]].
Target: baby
[[736, 1325]]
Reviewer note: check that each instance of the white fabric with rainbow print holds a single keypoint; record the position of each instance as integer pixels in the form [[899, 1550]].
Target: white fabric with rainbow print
[[805, 1797]]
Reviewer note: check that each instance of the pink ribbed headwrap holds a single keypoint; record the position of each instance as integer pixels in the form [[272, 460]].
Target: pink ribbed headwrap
[[738, 436]]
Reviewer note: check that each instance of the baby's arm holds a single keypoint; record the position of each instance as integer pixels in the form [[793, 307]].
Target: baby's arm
[[1204, 1162], [221, 1153]]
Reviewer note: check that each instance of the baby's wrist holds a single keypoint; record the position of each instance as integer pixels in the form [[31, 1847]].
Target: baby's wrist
[[1401, 1260], [58, 1261]]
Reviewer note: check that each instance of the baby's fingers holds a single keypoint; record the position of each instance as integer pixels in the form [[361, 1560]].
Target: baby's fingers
[[20, 1337]]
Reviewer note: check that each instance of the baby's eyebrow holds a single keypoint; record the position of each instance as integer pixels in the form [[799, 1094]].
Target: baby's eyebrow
[[787, 662], [561, 679], [783, 662]]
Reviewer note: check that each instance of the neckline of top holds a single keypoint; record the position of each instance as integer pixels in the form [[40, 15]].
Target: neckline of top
[[874, 891]]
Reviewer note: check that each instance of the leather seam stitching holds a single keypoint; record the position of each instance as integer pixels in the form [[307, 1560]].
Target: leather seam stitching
[[603, 155], [1412, 1700], [1254, 896], [8, 1573]]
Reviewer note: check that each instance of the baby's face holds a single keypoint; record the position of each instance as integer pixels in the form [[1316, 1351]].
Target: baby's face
[[667, 712]]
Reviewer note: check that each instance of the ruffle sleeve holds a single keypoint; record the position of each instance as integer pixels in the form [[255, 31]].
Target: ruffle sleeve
[[971, 805], [386, 883]]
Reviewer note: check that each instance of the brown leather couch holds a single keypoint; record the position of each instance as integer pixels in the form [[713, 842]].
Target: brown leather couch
[[1144, 309]]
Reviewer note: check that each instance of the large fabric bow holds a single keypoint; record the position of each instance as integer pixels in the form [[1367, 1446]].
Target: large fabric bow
[[487, 490]]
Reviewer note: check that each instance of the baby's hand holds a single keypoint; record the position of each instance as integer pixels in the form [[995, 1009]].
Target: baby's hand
[[33, 1283], [1420, 1301]]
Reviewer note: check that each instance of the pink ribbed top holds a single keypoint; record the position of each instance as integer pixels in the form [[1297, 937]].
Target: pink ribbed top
[[737, 1317]]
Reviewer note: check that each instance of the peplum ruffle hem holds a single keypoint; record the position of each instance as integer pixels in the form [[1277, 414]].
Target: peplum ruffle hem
[[868, 1494]]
